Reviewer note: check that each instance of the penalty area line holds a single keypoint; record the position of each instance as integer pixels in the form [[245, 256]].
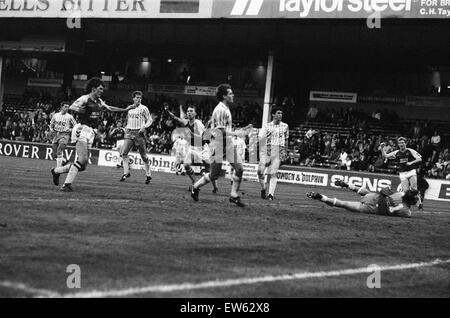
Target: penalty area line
[[248, 281]]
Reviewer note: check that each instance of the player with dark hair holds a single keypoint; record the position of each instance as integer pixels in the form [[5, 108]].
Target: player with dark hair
[[386, 202], [273, 141], [138, 120], [192, 129], [61, 125], [408, 160], [222, 146], [88, 108]]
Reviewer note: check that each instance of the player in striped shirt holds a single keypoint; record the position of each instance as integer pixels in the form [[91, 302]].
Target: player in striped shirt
[[222, 145], [88, 108], [138, 120], [273, 141], [61, 126]]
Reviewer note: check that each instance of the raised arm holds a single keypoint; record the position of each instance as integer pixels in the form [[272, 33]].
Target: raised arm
[[182, 121], [182, 113], [385, 155]]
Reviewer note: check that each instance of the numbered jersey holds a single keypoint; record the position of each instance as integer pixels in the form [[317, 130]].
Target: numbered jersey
[[90, 110]]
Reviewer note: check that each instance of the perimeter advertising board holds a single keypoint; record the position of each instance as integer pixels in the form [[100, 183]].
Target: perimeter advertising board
[[201, 9]]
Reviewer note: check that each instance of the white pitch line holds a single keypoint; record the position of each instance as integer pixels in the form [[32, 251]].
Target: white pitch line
[[305, 206], [31, 290], [65, 200], [246, 281], [435, 212]]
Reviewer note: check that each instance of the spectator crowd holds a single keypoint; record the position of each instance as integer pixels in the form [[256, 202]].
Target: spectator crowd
[[33, 125], [360, 149], [357, 150]]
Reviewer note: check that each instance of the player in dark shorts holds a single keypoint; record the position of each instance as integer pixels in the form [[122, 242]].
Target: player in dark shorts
[[385, 202]]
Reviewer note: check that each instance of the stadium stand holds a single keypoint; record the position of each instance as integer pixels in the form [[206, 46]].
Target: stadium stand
[[342, 139]]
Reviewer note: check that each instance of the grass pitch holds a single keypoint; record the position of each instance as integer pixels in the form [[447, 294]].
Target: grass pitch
[[152, 237]]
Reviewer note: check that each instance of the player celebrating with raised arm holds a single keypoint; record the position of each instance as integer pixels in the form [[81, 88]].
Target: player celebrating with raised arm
[[385, 202], [193, 130], [222, 146], [138, 120], [61, 125], [88, 108], [273, 140], [408, 160]]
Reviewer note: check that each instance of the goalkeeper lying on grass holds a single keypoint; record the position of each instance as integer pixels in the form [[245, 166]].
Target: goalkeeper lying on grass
[[386, 202]]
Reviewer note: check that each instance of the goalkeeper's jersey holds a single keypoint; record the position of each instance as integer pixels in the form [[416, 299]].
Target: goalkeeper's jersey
[[372, 198]]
